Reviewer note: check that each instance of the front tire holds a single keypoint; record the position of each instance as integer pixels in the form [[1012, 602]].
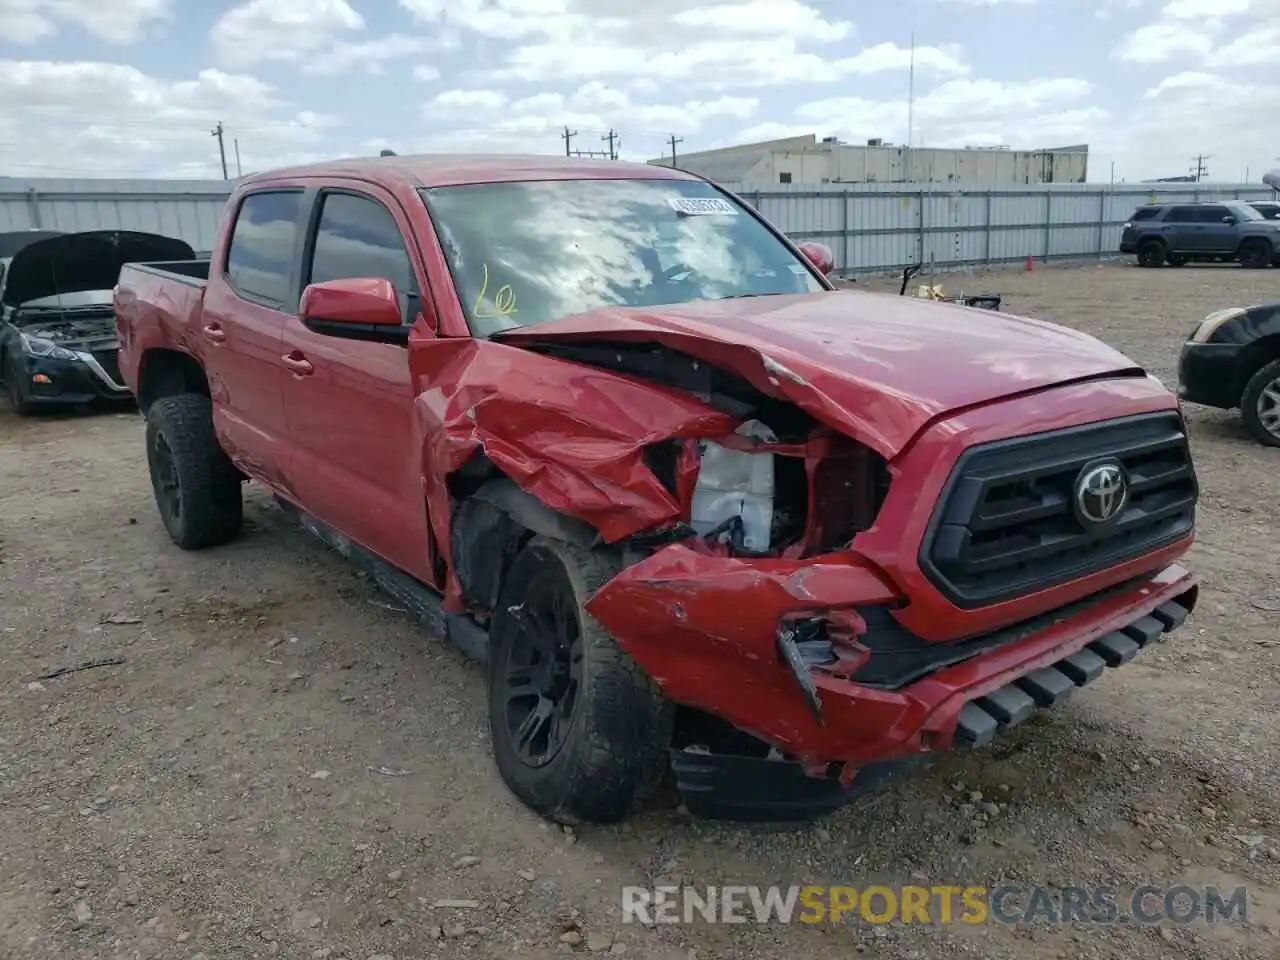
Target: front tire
[[1260, 405], [196, 486], [1255, 255], [580, 734]]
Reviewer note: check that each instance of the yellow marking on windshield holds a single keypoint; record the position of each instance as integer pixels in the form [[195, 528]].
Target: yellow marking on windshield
[[504, 298]]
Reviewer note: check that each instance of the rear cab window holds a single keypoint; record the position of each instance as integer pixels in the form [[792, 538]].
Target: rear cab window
[[261, 248], [524, 253]]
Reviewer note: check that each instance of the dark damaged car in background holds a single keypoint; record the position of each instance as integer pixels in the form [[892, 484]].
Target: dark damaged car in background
[[57, 327]]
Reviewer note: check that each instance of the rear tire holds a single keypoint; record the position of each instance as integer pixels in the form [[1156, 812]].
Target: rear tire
[[1151, 253], [1255, 254], [19, 399], [1260, 405], [580, 734], [196, 486]]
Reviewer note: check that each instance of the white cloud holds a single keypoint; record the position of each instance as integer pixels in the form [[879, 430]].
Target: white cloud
[[118, 21], [749, 43], [1160, 42], [323, 36], [1194, 28], [133, 124], [489, 120]]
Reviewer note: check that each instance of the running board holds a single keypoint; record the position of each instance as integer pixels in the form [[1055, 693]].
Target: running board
[[984, 717], [421, 602]]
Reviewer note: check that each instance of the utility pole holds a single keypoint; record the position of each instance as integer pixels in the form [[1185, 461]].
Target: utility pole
[[1200, 171], [222, 149], [239, 169], [673, 140], [908, 174], [567, 137], [611, 138]]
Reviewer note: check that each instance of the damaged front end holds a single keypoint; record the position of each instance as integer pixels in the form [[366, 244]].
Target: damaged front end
[[732, 488]]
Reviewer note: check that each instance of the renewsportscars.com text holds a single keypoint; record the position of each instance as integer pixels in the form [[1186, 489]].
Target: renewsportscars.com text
[[1007, 904]]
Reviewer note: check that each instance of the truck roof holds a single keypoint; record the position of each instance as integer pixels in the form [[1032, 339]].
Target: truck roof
[[440, 170]]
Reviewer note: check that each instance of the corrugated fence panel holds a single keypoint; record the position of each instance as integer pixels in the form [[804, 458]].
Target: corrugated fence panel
[[187, 209], [893, 224], [870, 227]]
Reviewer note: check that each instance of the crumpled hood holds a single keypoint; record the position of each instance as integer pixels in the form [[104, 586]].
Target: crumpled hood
[[90, 260], [876, 365]]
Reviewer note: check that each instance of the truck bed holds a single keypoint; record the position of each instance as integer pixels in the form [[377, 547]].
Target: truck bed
[[184, 271], [158, 305]]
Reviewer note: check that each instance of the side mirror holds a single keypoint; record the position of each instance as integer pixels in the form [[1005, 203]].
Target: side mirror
[[355, 308], [1228, 219], [820, 255]]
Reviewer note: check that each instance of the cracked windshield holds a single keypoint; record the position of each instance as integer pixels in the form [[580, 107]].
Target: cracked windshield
[[529, 252]]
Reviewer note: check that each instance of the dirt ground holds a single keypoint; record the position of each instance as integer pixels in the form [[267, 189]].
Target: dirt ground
[[283, 766]]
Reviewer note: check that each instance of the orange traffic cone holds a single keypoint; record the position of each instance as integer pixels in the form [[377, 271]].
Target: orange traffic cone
[[1031, 264]]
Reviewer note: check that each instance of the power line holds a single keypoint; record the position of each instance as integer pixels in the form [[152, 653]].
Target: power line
[[614, 142], [1199, 171]]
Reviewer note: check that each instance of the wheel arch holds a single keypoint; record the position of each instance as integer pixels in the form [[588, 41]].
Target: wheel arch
[[163, 372], [492, 519], [1253, 358]]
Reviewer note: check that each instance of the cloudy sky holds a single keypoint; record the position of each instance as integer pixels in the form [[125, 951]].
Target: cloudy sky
[[134, 87]]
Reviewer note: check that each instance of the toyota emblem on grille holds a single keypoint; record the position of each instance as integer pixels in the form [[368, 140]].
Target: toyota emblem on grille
[[1101, 493]]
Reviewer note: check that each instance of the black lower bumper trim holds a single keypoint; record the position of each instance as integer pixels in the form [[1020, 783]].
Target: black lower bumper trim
[[761, 790], [1083, 666], [1171, 615], [1047, 687], [984, 717], [1009, 705], [1115, 648]]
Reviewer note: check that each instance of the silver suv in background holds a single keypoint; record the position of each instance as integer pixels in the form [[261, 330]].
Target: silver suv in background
[[1178, 233]]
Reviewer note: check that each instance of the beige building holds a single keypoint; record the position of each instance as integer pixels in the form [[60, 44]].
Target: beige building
[[810, 160]]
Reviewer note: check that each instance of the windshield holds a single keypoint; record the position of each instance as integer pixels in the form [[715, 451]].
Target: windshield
[[526, 253]]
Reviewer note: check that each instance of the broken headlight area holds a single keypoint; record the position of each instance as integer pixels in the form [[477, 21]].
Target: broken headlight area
[[761, 492]]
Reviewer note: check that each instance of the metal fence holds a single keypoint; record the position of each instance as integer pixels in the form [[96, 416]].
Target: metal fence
[[188, 209], [871, 228], [877, 228]]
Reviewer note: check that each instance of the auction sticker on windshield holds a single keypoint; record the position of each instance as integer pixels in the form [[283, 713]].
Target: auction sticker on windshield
[[702, 206]]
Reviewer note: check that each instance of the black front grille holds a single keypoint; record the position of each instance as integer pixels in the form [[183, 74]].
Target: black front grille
[[1007, 523], [109, 360]]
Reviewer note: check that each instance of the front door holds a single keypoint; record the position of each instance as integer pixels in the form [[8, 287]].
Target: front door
[[356, 456]]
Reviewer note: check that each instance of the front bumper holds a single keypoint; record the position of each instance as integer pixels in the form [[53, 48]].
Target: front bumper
[[1208, 373], [819, 714], [50, 381]]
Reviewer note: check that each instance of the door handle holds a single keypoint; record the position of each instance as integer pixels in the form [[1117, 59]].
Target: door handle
[[298, 365], [214, 333]]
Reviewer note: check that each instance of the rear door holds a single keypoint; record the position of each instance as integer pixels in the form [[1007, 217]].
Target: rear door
[[1180, 229], [1218, 236], [356, 458], [250, 287]]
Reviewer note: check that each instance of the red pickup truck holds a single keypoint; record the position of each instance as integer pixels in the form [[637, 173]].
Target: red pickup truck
[[609, 431]]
